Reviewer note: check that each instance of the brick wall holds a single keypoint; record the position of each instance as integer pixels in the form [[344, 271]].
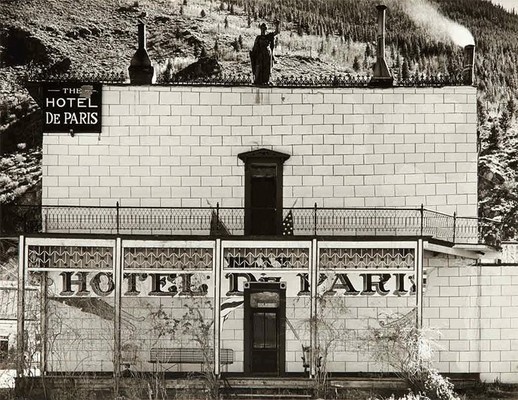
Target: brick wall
[[475, 309], [178, 146]]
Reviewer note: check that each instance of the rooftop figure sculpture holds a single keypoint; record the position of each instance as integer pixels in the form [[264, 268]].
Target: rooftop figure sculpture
[[261, 55]]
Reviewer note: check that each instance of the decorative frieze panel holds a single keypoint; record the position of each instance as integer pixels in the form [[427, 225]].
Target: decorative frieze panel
[[168, 258], [376, 258], [70, 257], [266, 258]]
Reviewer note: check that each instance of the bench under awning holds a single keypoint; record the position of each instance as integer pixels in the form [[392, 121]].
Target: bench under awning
[[187, 355]]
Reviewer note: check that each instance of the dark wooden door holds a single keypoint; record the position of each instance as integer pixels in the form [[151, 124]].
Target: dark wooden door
[[265, 328], [265, 341], [263, 202]]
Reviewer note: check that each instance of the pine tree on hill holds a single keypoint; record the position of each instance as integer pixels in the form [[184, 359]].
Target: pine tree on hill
[[356, 64], [405, 71]]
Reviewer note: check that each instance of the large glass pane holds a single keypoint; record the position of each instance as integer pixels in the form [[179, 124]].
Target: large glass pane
[[258, 330], [270, 330]]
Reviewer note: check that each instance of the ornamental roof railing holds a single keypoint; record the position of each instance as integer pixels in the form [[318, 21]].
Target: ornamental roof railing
[[333, 81], [239, 221]]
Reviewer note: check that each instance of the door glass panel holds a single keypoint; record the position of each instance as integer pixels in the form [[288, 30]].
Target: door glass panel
[[270, 330], [258, 330], [264, 330]]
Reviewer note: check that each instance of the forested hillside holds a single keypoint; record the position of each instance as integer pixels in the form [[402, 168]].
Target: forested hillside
[[317, 37]]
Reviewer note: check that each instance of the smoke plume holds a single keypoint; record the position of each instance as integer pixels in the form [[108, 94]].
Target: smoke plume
[[440, 27]]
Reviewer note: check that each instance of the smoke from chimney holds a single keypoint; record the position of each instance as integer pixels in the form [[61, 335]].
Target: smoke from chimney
[[429, 18]]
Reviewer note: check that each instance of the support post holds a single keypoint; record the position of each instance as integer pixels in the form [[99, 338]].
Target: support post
[[454, 226], [117, 275], [20, 333], [315, 220], [43, 321], [419, 281], [218, 224], [118, 217], [421, 211], [217, 307], [313, 281]]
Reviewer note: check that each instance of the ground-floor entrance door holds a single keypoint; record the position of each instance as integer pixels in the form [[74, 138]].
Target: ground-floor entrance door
[[265, 326]]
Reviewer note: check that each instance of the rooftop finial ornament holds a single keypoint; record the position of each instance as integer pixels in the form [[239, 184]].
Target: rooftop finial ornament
[[261, 55], [140, 70]]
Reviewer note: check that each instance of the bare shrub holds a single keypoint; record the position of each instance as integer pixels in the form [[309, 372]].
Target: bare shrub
[[408, 350]]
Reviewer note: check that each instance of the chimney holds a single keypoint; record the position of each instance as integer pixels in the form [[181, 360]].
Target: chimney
[[382, 76], [468, 73], [140, 70]]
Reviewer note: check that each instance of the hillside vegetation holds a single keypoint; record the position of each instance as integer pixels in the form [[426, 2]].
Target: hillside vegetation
[[317, 37]]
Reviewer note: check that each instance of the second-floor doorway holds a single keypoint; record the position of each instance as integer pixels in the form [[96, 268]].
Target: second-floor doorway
[[263, 201], [263, 191]]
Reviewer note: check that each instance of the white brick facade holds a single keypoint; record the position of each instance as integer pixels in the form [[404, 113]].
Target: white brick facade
[[475, 309], [178, 146], [349, 147]]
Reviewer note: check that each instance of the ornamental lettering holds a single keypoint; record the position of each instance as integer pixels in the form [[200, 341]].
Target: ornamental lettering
[[331, 284], [102, 284], [72, 107]]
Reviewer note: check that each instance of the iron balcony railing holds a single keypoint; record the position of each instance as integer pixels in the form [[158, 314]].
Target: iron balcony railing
[[222, 221]]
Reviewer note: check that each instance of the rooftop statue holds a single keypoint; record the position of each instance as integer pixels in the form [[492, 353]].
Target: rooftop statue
[[261, 55]]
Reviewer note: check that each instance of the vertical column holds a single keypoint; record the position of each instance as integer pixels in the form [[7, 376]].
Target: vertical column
[[117, 276], [419, 283], [217, 307], [43, 321], [20, 334], [313, 281]]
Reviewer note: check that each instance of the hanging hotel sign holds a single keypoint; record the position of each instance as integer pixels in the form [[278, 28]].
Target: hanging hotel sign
[[72, 107]]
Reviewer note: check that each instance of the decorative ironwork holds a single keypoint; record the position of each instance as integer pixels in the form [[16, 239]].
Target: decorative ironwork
[[190, 221], [104, 77], [438, 80], [216, 80], [353, 258], [70, 257], [438, 225], [266, 258], [345, 80], [367, 221], [78, 219], [227, 221], [342, 80], [168, 258]]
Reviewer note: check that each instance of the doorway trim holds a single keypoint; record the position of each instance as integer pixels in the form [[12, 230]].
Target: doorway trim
[[257, 287], [255, 160]]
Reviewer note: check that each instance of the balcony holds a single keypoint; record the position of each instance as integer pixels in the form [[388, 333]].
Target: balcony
[[225, 221]]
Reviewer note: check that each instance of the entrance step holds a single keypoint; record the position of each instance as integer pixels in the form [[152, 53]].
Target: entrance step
[[266, 396], [267, 388]]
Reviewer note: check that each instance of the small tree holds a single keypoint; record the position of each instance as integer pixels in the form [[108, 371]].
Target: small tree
[[330, 333], [201, 330], [407, 349]]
